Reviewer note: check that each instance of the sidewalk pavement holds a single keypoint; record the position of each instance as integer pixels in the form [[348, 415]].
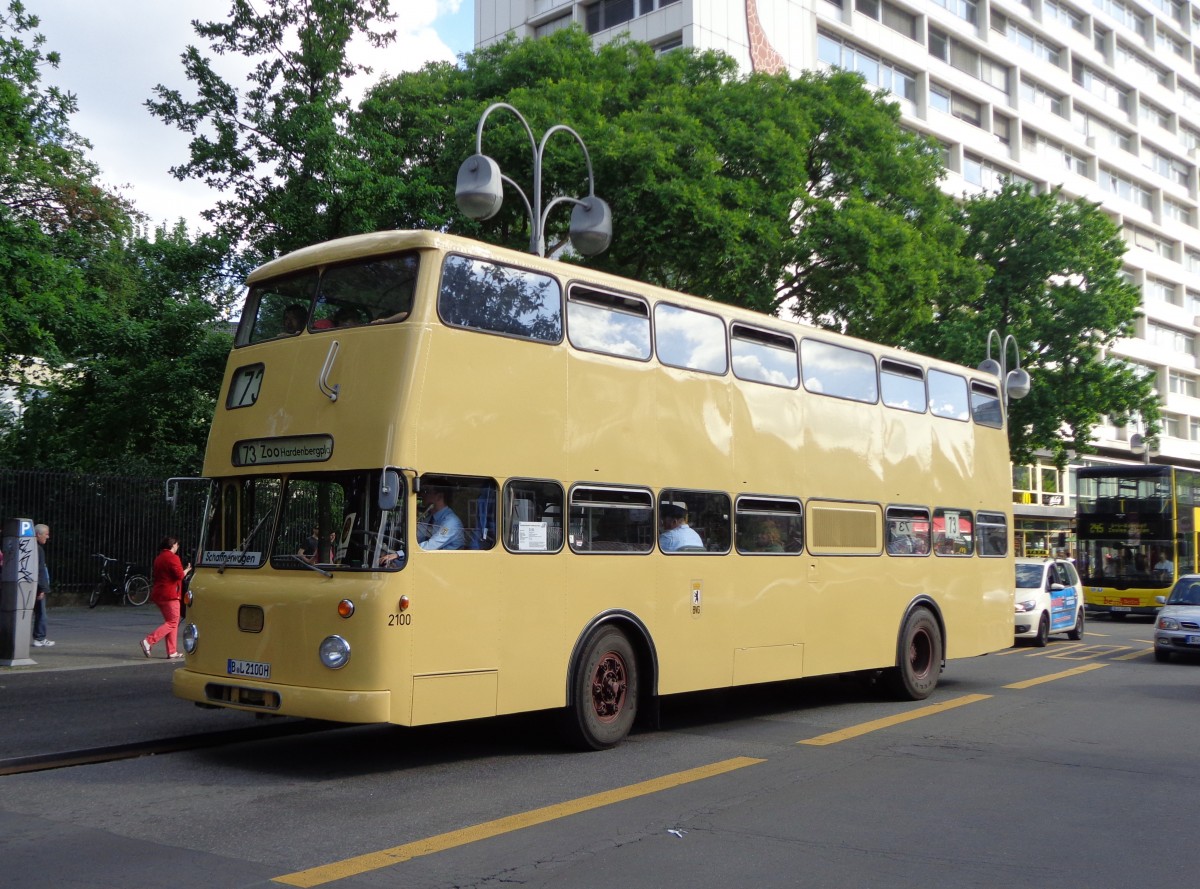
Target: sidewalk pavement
[[88, 638]]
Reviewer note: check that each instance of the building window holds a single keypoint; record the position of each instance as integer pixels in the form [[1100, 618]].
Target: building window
[[1053, 11], [1158, 290], [1026, 40], [1125, 188], [966, 59], [1135, 63], [1152, 115], [547, 28], [967, 10], [1103, 132], [609, 13], [1055, 152], [877, 71], [890, 15], [1165, 165], [1125, 15], [1038, 96], [1182, 384], [1101, 87], [1171, 339], [1176, 211]]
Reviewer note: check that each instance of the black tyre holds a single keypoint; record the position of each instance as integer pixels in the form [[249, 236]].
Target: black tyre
[[1043, 634], [97, 591], [918, 657], [1162, 655], [1076, 633], [604, 692], [137, 590]]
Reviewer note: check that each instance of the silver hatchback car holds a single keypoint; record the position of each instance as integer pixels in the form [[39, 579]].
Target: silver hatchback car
[[1177, 627]]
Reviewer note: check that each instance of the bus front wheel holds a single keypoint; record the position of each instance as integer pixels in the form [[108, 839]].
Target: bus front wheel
[[919, 657], [605, 692]]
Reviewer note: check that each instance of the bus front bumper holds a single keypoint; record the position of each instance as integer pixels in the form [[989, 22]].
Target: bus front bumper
[[1150, 610], [333, 705]]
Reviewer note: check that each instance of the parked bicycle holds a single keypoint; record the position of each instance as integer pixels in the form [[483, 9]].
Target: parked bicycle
[[133, 587]]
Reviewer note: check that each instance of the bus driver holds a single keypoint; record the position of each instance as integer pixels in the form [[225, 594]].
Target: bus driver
[[439, 527]]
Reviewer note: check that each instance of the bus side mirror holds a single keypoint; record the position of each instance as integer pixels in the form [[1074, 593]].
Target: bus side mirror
[[389, 489]]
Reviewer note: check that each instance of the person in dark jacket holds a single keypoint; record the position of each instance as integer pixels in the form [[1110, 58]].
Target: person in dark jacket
[[42, 533]]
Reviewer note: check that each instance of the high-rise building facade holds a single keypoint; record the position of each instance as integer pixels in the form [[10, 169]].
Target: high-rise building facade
[[1099, 96]]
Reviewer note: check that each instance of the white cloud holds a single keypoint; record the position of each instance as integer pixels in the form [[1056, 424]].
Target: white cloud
[[113, 54]]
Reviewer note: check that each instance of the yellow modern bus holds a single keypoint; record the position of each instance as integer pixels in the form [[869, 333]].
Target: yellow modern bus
[[1137, 530], [454, 481]]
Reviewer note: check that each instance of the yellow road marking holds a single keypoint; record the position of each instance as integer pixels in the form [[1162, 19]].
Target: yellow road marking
[[1136, 654], [864, 728], [360, 864], [1074, 671]]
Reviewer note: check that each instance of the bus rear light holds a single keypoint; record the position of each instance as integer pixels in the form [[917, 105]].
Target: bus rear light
[[345, 608], [404, 603], [187, 598]]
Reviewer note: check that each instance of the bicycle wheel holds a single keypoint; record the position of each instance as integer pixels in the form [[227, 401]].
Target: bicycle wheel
[[137, 590], [97, 591]]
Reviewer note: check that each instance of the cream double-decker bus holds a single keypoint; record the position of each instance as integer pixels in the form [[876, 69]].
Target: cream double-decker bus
[[453, 481]]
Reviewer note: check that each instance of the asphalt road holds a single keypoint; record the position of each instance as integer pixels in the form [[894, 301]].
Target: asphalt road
[[1069, 766]]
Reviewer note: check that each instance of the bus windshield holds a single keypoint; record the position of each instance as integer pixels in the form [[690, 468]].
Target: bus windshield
[[331, 520]]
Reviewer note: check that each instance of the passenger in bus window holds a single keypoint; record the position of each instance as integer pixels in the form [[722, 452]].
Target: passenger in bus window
[[439, 527], [293, 319], [676, 533], [1164, 568]]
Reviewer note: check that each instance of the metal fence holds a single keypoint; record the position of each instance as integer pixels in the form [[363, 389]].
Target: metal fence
[[123, 517]]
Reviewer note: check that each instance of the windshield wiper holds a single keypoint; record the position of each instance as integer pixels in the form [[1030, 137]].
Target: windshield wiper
[[245, 543], [309, 565]]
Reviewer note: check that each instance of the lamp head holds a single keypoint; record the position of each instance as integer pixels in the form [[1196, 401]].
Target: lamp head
[[990, 366], [479, 191], [1018, 383], [591, 226]]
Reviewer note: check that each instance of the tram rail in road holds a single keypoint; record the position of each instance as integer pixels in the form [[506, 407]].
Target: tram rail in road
[[42, 762]]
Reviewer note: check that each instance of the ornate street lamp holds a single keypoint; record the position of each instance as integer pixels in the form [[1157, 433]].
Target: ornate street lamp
[[1014, 383], [479, 193]]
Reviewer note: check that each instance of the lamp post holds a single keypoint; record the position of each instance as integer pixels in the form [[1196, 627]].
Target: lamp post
[[1014, 383], [479, 192]]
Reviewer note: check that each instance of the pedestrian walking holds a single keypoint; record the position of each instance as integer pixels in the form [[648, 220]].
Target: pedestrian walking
[[167, 590], [42, 533]]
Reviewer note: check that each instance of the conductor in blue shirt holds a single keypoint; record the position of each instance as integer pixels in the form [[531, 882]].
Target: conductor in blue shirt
[[439, 527], [676, 533]]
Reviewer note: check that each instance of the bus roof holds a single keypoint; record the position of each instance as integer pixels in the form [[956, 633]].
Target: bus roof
[[392, 241]]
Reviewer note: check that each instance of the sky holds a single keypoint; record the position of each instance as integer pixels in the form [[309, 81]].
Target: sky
[[114, 53]]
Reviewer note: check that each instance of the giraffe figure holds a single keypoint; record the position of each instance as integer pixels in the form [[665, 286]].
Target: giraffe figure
[[763, 56]]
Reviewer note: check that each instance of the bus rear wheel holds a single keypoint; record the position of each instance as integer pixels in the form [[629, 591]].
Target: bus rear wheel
[[604, 692], [918, 658]]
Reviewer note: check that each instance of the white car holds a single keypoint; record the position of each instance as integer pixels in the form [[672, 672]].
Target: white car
[[1177, 627], [1049, 600]]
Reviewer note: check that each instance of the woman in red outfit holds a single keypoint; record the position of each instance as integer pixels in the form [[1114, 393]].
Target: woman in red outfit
[[167, 588]]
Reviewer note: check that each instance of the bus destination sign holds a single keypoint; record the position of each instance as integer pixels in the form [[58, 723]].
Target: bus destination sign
[[287, 449]]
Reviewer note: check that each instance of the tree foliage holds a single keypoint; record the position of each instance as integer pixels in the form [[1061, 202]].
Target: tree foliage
[[53, 214], [1055, 284], [139, 395], [794, 195], [274, 150]]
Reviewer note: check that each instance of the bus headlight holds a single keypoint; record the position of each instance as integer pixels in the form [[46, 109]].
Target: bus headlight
[[191, 637], [334, 652]]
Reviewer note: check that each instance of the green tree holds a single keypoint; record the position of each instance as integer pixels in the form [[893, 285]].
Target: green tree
[[53, 216], [276, 149], [1055, 283], [801, 195], [140, 393]]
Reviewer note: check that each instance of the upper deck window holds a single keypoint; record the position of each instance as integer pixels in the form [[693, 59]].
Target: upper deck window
[[690, 339], [948, 396], [764, 356], [609, 323], [985, 404], [903, 386], [373, 291], [368, 291], [277, 308], [838, 371], [500, 299]]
